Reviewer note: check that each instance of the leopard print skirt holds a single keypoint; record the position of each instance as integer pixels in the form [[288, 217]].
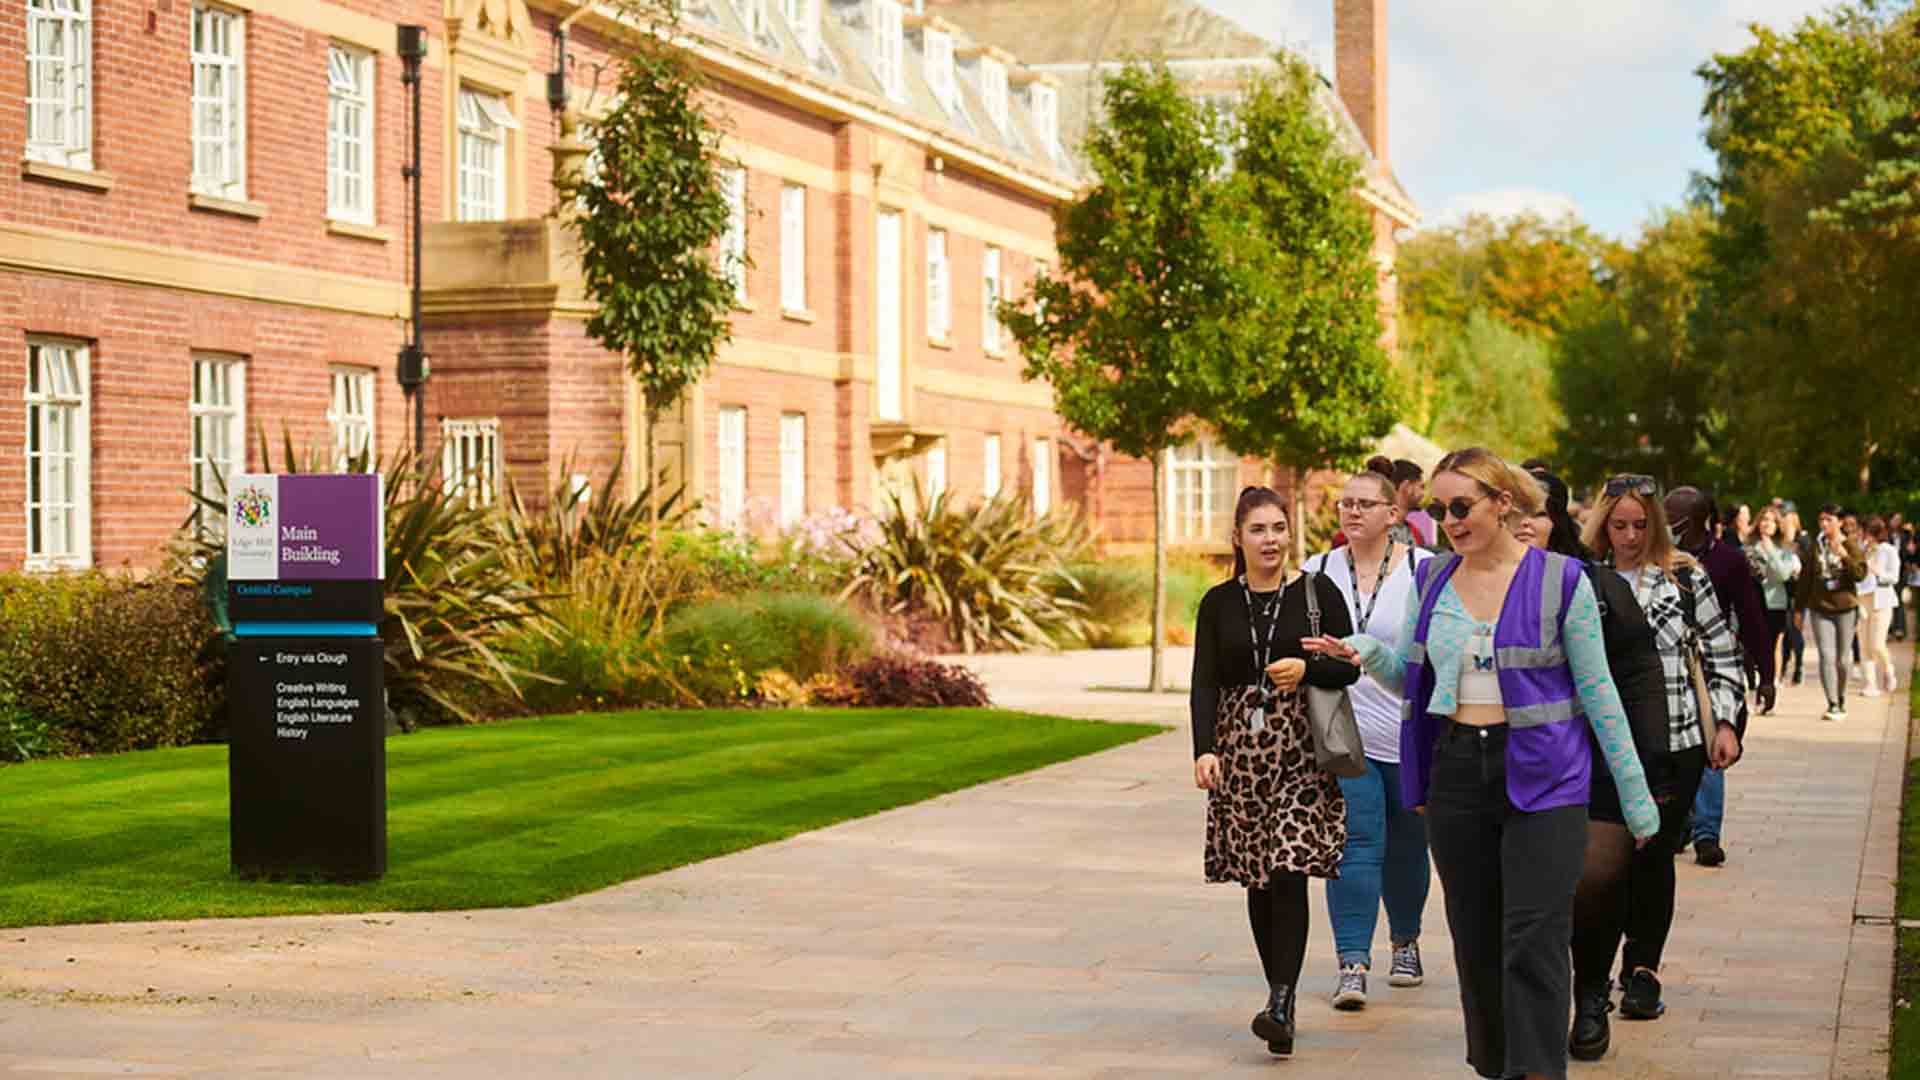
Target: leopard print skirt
[[1274, 810]]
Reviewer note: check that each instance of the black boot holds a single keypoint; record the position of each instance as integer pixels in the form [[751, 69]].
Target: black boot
[[1591, 1033], [1275, 1022]]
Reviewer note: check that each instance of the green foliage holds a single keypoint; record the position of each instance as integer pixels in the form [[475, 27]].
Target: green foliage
[[992, 574], [1525, 270], [892, 681], [1495, 387], [94, 663], [577, 524], [717, 650], [1118, 594]]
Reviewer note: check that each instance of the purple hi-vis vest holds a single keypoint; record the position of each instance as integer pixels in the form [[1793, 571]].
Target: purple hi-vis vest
[[1549, 749]]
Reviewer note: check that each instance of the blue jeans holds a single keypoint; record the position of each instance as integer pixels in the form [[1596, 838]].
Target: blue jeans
[[1710, 805], [1385, 859]]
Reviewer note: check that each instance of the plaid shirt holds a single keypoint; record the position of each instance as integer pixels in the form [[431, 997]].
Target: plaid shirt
[[1661, 598]]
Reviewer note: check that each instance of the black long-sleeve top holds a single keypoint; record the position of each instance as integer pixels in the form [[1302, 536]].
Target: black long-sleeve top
[[1634, 659], [1223, 646]]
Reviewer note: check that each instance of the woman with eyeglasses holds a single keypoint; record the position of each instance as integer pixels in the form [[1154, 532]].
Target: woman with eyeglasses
[[1599, 903], [1630, 533], [1831, 566], [1505, 671], [1386, 853], [1778, 565], [1274, 818]]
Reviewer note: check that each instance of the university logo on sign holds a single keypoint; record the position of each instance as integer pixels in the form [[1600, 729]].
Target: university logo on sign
[[253, 550], [306, 528]]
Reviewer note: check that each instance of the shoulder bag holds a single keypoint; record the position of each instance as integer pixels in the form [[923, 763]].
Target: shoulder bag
[[1690, 648], [1330, 720]]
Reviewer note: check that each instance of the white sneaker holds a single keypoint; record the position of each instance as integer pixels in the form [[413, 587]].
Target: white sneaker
[[1870, 690], [1832, 715]]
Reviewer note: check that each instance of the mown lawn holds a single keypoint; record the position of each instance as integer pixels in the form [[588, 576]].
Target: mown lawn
[[1905, 1050], [507, 814]]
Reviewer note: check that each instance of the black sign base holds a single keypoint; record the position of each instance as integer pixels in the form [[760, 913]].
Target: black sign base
[[307, 758]]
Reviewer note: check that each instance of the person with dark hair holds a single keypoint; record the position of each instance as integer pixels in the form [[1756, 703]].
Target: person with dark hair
[[1507, 687], [1386, 855], [1274, 818], [1415, 528], [1600, 901], [1778, 565], [1883, 564], [1832, 564]]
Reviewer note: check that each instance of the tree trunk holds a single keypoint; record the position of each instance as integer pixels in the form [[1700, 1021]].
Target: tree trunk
[[1297, 513], [1866, 459], [1158, 635]]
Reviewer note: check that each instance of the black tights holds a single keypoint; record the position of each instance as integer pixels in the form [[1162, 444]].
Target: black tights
[[1600, 901], [1278, 914]]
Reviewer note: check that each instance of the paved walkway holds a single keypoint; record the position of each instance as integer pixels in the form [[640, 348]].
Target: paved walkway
[[1050, 925]]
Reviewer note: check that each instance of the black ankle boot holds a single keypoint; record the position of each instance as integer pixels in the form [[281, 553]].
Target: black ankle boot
[[1591, 1033], [1275, 1022]]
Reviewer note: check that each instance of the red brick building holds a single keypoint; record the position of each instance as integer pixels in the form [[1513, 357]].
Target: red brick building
[[208, 234]]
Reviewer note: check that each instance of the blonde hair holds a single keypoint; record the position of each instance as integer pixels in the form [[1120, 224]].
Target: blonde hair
[[1660, 549], [1495, 476]]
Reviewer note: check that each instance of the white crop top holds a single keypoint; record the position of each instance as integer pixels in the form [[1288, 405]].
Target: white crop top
[[1479, 680]]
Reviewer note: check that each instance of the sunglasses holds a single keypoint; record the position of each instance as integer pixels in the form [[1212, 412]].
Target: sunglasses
[[1632, 483], [1460, 507]]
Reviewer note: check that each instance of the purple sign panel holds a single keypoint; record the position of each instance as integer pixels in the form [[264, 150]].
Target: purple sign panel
[[306, 528]]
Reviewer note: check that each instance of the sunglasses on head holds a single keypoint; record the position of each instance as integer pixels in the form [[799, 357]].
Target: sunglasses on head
[[1459, 507], [1632, 483]]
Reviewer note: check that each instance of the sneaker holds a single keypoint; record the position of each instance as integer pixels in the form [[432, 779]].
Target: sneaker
[[1707, 852], [1870, 690], [1855, 674], [1406, 970], [1352, 995], [1642, 998]]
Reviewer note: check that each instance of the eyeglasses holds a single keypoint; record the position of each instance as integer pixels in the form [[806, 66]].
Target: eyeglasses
[[1360, 506], [1460, 507], [1632, 483]]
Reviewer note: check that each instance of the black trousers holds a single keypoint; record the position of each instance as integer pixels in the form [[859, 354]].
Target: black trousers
[[1509, 877]]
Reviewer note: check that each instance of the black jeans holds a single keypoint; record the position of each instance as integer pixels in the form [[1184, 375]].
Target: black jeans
[[1650, 880], [1509, 877]]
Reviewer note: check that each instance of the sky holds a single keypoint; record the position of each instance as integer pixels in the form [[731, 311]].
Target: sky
[[1550, 105]]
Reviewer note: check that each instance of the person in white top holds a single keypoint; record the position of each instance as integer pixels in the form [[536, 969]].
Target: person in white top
[[1883, 566], [1386, 854]]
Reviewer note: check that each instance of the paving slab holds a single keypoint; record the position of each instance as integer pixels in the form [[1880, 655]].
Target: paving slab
[[1050, 925]]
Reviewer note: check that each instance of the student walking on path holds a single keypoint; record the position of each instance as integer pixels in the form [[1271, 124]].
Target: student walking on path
[[1883, 566], [1738, 596], [1629, 532], [1796, 640], [1501, 659], [1600, 902], [1831, 565], [1779, 565], [1386, 856], [1274, 818]]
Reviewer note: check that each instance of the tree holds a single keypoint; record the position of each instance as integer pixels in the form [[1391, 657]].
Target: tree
[[1129, 329], [1494, 386], [648, 218], [1308, 384]]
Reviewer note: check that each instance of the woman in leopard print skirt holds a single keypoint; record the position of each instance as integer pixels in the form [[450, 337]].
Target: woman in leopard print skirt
[[1273, 818]]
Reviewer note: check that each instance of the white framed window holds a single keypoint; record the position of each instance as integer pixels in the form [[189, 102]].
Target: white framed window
[[730, 445], [793, 247], [349, 134], [990, 469], [937, 469], [1043, 102], [991, 290], [59, 455], [939, 287], [887, 45], [1042, 475], [1202, 478], [470, 459], [219, 102], [350, 414], [733, 242], [793, 468], [937, 49], [218, 412], [753, 17], [803, 18], [484, 121], [993, 91], [60, 82]]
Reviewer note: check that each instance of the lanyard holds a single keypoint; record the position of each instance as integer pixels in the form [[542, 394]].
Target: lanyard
[[1379, 583], [1271, 610]]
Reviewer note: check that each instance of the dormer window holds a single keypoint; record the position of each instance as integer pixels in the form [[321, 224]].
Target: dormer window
[[938, 47], [753, 19], [1043, 101], [886, 44], [993, 89], [803, 18]]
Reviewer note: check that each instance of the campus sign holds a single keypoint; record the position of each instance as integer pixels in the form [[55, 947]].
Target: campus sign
[[306, 701]]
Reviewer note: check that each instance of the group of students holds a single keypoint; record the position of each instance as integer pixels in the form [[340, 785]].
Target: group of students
[[1540, 708]]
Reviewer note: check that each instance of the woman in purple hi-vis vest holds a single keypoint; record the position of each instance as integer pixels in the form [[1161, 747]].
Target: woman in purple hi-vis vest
[[1507, 687]]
